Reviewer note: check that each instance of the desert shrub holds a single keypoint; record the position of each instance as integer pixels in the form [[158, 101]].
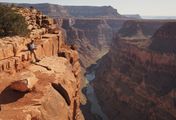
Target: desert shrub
[[11, 23]]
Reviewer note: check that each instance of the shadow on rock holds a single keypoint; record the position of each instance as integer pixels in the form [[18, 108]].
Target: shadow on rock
[[9, 96]]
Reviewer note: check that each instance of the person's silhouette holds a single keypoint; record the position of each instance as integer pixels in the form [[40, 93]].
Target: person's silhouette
[[32, 48]]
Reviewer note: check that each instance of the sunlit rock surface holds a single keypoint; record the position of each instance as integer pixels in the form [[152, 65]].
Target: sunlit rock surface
[[45, 90]]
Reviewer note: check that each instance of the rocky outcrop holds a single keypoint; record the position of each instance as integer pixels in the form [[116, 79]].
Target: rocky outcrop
[[54, 82], [164, 40], [48, 39], [134, 83], [54, 97]]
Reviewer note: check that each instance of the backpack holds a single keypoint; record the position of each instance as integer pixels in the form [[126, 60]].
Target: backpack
[[30, 46]]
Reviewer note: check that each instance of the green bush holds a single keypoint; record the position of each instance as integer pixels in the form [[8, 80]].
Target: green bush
[[11, 23]]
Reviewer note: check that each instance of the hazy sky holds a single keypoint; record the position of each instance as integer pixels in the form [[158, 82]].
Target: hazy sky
[[142, 7]]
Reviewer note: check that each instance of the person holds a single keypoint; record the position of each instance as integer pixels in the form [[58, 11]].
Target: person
[[32, 48]]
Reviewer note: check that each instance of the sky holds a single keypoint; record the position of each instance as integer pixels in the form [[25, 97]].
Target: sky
[[142, 7]]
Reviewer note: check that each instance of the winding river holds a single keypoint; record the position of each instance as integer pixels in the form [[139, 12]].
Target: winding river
[[91, 96]]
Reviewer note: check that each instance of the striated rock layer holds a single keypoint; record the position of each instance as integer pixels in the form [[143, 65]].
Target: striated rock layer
[[92, 36], [137, 83], [92, 11], [54, 82], [55, 10]]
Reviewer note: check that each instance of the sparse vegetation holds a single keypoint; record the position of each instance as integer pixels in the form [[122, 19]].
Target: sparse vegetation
[[11, 23]]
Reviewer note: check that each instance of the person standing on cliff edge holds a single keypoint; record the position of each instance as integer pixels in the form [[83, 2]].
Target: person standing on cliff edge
[[32, 48]]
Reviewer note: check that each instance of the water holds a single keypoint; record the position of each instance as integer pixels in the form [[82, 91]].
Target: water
[[90, 76], [95, 107]]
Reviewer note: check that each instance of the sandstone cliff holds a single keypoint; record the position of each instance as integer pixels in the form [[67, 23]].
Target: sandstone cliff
[[137, 83], [56, 94]]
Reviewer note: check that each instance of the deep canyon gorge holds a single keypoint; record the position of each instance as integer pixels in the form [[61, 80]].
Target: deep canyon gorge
[[96, 65]]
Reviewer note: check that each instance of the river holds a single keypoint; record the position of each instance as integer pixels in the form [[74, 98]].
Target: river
[[91, 96]]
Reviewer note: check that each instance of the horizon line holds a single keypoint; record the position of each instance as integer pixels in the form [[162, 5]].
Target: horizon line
[[141, 15]]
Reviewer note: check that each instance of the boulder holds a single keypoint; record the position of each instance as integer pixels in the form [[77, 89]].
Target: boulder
[[27, 82]]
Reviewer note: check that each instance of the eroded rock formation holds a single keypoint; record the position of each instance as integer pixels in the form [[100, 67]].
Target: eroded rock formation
[[137, 83], [54, 82]]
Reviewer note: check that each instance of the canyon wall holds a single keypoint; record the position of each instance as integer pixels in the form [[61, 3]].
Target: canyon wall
[[92, 11], [138, 28], [164, 40], [56, 94], [134, 83], [92, 36], [55, 10]]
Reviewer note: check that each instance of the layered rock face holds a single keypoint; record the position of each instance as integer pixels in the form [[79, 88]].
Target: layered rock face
[[54, 82], [92, 36], [137, 83], [55, 10], [92, 11]]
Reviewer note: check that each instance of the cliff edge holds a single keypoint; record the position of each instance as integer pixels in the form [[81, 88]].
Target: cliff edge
[[54, 82]]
